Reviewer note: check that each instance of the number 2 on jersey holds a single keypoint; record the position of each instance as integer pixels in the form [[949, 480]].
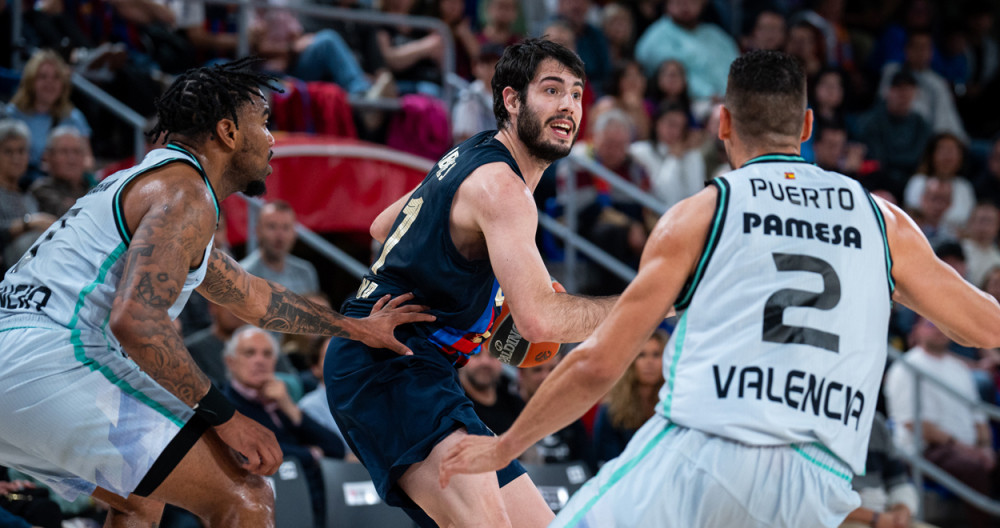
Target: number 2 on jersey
[[775, 331]]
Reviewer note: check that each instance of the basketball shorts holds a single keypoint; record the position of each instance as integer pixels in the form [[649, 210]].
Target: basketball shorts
[[394, 409], [670, 476], [77, 413]]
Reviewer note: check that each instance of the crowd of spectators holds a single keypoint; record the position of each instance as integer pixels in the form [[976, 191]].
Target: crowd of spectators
[[906, 98]]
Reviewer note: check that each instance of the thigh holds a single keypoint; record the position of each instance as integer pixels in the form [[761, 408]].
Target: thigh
[[103, 420]]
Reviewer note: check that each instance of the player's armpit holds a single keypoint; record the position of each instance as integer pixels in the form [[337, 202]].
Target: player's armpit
[[934, 289], [168, 240]]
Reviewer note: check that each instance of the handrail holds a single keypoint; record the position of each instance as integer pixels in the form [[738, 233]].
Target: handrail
[[369, 17], [919, 464], [119, 109]]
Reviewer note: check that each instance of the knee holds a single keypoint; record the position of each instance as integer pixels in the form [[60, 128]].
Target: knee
[[140, 509], [258, 496]]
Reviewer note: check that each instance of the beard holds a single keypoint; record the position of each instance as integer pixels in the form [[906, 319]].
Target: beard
[[255, 188], [529, 131]]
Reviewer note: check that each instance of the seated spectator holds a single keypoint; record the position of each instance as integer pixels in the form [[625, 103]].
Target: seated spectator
[[944, 158], [272, 259], [42, 102], [560, 32], [571, 443], [987, 184], [65, 162], [608, 217], [894, 134], [322, 56], [618, 26], [498, 28], [591, 45], [675, 166], [826, 96], [832, 151], [929, 215], [670, 86], [956, 436], [979, 241], [489, 389], [704, 49], [888, 497], [935, 101], [413, 55], [626, 91], [805, 42], [251, 355], [631, 401], [768, 32], [206, 345], [315, 404], [473, 111], [20, 220], [452, 13]]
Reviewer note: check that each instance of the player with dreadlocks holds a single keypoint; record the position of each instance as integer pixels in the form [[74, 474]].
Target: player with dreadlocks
[[97, 393]]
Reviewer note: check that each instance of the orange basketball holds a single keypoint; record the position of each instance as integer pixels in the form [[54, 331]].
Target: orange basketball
[[507, 344]]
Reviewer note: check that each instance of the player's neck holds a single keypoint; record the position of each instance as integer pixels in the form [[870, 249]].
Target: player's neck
[[530, 166], [740, 153], [212, 162]]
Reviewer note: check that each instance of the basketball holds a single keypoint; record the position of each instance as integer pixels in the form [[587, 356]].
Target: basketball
[[507, 344]]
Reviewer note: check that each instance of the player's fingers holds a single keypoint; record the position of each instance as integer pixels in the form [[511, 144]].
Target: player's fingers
[[400, 300], [252, 463], [380, 303], [444, 476], [416, 318], [399, 348]]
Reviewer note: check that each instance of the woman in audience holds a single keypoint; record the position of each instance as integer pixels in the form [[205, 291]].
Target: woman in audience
[[944, 158], [671, 157], [499, 28], [619, 28], [42, 102], [626, 91], [452, 13], [631, 401]]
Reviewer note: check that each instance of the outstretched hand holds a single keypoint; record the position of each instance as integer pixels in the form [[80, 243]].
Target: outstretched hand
[[260, 451], [386, 315], [472, 454]]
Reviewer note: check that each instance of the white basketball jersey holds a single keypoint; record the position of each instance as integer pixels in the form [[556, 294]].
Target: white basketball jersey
[[72, 271], [783, 325]]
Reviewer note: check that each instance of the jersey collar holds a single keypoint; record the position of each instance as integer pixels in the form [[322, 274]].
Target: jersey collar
[[776, 158]]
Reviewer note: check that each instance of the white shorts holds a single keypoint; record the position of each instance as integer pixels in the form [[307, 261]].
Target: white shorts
[[77, 413], [671, 476]]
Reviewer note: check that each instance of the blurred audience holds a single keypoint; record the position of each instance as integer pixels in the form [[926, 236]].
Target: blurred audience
[[671, 157], [65, 162], [631, 401], [272, 259], [20, 220], [944, 158], [979, 241], [626, 91], [42, 102], [473, 111], [490, 391], [956, 436]]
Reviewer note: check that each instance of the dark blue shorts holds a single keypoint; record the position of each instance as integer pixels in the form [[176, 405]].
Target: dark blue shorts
[[393, 409]]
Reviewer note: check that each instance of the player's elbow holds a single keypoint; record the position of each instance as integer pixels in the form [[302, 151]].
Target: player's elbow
[[535, 329]]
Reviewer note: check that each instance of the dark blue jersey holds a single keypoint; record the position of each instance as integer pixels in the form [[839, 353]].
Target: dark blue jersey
[[420, 257]]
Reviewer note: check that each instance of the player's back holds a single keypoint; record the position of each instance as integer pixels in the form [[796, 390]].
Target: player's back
[[782, 333], [70, 273], [420, 256]]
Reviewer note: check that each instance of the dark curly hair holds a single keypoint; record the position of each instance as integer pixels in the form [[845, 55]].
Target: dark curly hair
[[200, 97]]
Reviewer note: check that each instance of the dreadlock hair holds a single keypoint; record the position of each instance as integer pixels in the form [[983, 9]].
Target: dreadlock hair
[[199, 98]]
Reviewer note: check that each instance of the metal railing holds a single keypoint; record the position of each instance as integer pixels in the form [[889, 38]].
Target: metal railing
[[568, 231], [919, 465], [119, 109]]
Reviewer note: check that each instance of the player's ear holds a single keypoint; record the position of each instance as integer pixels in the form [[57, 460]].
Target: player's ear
[[511, 100], [807, 126], [226, 131], [725, 123]]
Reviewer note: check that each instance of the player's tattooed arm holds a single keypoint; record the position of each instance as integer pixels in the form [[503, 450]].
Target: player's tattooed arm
[[165, 245], [267, 304], [271, 306]]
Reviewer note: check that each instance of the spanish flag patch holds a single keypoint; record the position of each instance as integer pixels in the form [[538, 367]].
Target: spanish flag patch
[[789, 175]]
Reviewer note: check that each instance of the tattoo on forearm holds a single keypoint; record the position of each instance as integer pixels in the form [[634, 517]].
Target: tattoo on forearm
[[225, 282], [148, 292], [290, 313]]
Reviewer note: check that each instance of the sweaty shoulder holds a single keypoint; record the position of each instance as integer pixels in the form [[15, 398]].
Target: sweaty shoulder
[[496, 187]]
